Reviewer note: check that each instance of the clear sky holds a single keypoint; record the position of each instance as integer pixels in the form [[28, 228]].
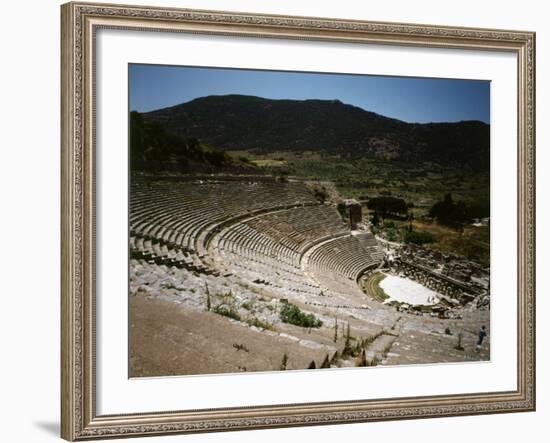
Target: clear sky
[[410, 99]]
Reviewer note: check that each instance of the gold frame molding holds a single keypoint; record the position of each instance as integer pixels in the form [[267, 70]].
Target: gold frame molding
[[79, 22]]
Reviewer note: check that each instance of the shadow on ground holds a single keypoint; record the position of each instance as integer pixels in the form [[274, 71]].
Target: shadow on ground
[[50, 427]]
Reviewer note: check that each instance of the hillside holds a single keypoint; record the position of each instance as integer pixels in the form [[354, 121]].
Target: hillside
[[236, 122], [153, 149]]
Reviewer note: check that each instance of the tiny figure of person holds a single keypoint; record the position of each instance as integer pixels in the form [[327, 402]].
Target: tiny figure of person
[[482, 334]]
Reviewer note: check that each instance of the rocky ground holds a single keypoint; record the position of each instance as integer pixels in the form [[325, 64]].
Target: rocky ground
[[186, 323]]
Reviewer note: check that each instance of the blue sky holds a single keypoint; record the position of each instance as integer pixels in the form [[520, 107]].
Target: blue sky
[[410, 99]]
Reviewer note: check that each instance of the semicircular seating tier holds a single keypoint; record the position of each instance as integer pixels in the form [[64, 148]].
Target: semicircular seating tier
[[338, 263], [178, 211], [265, 231]]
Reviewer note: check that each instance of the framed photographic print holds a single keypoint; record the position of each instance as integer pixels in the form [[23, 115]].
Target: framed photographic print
[[282, 221]]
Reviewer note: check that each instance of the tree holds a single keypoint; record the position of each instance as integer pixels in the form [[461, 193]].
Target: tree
[[448, 212], [292, 314], [312, 365], [335, 358], [459, 346], [362, 360], [217, 158], [320, 193], [284, 362], [341, 207], [375, 219], [388, 205], [347, 345], [154, 149], [208, 303], [418, 238]]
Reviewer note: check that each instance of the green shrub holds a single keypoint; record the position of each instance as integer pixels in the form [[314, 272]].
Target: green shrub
[[320, 193], [247, 305], [226, 296], [341, 207], [362, 360], [418, 238], [347, 351], [227, 312], [284, 362], [292, 314], [240, 347], [459, 346], [260, 324]]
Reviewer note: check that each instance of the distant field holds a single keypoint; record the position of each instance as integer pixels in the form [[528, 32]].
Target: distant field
[[421, 184], [269, 163], [473, 243]]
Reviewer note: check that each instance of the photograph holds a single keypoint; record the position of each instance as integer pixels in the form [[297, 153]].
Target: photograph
[[275, 221], [280, 217], [284, 220]]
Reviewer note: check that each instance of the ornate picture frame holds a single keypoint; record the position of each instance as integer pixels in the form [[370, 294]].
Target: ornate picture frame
[[80, 22]]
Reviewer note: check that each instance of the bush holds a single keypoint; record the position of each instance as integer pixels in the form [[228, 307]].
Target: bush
[[459, 346], [341, 207], [240, 347], [362, 360], [326, 363], [392, 234], [418, 238], [320, 193], [375, 219], [247, 305], [217, 158], [293, 315], [260, 324], [227, 312], [284, 362], [451, 213], [348, 349], [387, 205]]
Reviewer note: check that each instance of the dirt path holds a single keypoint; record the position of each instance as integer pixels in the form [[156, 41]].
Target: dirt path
[[173, 334], [168, 339]]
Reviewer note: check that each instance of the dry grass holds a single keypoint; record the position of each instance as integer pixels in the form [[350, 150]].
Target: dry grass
[[473, 243], [269, 163], [372, 286]]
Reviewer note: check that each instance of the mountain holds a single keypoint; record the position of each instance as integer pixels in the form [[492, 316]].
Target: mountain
[[233, 122], [153, 149]]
